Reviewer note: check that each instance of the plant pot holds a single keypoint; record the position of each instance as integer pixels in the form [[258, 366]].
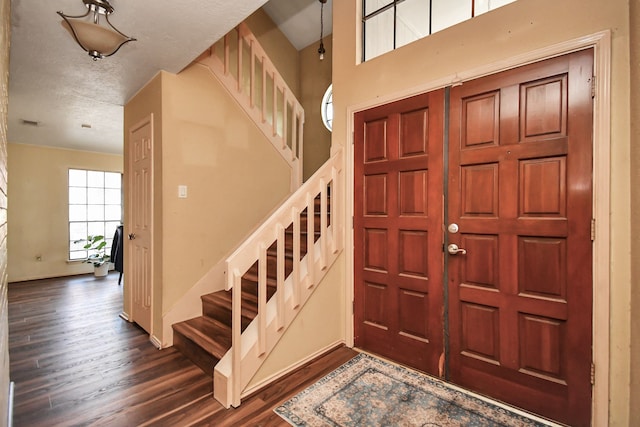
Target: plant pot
[[102, 270]]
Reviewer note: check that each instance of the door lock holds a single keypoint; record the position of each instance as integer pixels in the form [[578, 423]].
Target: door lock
[[453, 228], [453, 249]]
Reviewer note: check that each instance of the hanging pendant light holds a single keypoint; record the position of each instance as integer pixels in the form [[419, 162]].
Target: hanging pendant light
[[97, 40], [321, 50]]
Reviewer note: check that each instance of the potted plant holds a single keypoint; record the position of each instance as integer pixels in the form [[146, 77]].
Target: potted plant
[[96, 247]]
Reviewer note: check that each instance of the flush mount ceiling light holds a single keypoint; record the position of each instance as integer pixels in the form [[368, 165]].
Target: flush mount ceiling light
[[97, 40]]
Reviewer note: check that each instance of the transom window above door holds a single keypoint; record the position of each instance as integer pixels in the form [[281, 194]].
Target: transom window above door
[[390, 24]]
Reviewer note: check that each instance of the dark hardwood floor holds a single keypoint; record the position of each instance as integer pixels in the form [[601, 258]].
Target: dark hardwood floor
[[74, 361]]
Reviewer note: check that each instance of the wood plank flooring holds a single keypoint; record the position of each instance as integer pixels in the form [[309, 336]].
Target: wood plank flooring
[[74, 361]]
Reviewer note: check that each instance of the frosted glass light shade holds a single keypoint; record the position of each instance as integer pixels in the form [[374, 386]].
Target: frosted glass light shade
[[95, 38]]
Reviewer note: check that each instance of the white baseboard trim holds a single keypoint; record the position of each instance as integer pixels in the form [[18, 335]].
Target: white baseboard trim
[[277, 375], [10, 404], [155, 341]]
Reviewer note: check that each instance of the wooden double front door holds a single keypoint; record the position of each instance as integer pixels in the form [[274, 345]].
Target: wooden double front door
[[472, 231]]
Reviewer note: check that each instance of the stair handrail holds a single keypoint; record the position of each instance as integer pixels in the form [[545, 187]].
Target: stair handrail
[[284, 131], [321, 253]]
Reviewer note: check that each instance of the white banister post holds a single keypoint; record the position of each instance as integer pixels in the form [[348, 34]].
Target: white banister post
[[334, 225], [300, 143], [339, 197], [323, 224], [252, 79], [275, 105], [293, 132], [262, 297], [236, 339], [310, 241], [263, 102], [285, 130], [240, 70], [296, 257], [281, 277], [227, 54]]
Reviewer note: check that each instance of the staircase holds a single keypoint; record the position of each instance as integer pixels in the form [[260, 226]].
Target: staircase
[[269, 279], [274, 272], [206, 339]]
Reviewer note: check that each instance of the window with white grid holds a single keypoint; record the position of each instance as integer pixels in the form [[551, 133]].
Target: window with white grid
[[95, 208]]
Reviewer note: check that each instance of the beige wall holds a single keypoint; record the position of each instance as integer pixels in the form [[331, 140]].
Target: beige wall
[[39, 215], [634, 25], [234, 176], [5, 18], [315, 78], [518, 28]]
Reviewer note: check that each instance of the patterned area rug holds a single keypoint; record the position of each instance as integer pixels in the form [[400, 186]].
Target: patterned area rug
[[367, 391]]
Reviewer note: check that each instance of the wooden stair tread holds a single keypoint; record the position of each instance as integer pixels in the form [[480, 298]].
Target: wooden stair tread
[[250, 287], [224, 300], [212, 336]]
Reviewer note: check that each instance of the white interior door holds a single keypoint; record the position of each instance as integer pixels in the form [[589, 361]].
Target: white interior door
[[139, 231]]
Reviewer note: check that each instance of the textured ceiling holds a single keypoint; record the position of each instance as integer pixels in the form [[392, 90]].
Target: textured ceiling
[[54, 83], [299, 20]]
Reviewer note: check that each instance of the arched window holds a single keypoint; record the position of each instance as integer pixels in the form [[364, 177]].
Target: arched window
[[327, 108]]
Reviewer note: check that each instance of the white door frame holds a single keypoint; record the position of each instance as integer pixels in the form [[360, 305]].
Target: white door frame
[[128, 295], [601, 43]]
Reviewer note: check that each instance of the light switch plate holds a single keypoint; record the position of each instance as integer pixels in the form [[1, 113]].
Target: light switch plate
[[182, 191]]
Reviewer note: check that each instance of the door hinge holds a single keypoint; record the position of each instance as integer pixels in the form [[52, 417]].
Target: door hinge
[[593, 229], [593, 374], [593, 87]]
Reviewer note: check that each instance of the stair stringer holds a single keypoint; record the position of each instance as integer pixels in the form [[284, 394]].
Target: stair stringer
[[251, 348]]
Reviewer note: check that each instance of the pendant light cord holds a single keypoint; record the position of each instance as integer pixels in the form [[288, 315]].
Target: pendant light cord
[[321, 50], [321, 20]]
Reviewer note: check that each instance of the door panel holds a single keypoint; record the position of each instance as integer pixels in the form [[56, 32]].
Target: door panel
[[520, 191], [397, 230]]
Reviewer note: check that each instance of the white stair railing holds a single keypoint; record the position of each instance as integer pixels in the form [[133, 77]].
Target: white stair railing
[[243, 67], [324, 243]]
